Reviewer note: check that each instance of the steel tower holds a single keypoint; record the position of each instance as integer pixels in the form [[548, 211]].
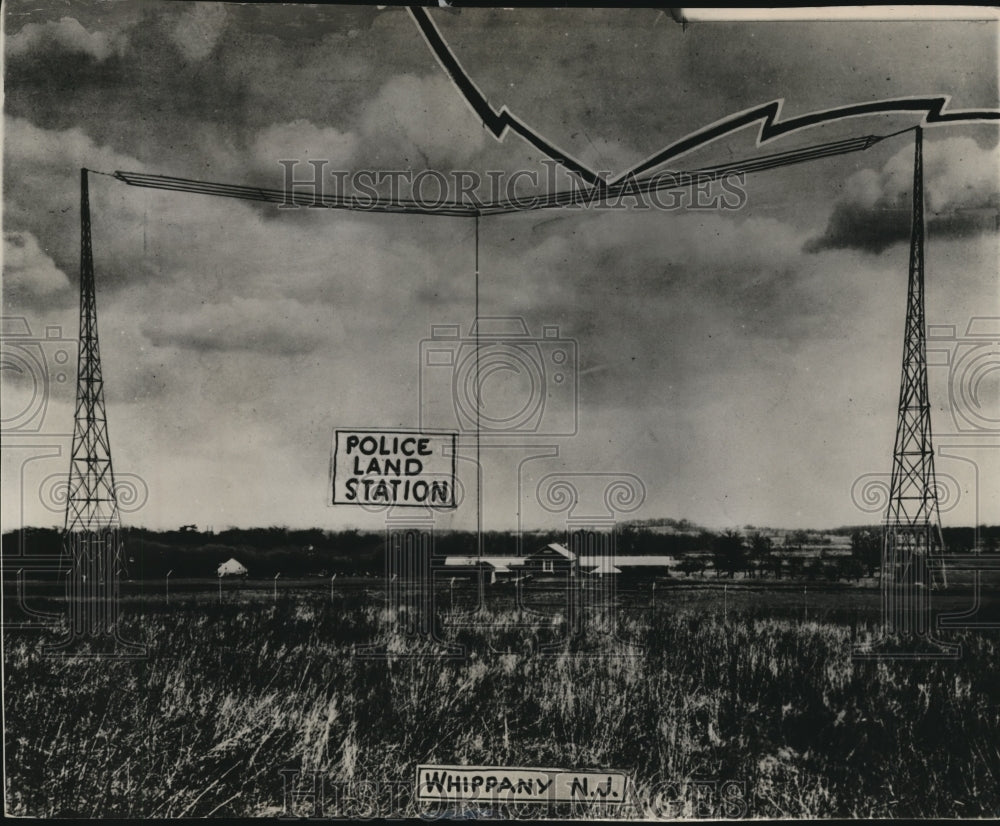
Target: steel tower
[[91, 538], [91, 504], [911, 538]]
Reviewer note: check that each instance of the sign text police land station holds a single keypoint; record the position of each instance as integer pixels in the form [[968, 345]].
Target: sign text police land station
[[393, 467]]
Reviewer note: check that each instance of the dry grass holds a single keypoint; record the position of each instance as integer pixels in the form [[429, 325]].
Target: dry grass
[[231, 695]]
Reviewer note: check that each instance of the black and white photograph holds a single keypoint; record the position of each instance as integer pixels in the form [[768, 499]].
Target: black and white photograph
[[473, 411]]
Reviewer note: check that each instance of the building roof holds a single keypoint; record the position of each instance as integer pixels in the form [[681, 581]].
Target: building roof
[[629, 561], [503, 563], [562, 550]]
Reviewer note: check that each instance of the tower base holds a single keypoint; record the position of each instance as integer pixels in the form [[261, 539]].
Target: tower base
[[906, 647]]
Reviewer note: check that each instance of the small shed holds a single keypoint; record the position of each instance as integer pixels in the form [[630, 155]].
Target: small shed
[[232, 568]]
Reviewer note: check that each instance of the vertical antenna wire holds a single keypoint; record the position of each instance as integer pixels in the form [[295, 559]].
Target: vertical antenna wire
[[479, 469]]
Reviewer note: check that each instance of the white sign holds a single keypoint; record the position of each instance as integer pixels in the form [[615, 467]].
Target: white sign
[[394, 467], [519, 785]]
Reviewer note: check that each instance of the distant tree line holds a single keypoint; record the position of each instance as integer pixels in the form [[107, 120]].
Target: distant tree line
[[315, 552]]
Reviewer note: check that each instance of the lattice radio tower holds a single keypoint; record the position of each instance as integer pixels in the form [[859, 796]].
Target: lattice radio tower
[[912, 529], [91, 538]]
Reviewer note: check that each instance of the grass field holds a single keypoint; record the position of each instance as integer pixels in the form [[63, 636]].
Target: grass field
[[728, 711]]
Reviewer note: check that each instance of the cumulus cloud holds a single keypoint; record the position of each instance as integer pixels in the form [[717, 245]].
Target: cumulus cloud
[[26, 267], [197, 31], [419, 122], [67, 35], [711, 348], [303, 141], [25, 142], [961, 198], [280, 327], [42, 193]]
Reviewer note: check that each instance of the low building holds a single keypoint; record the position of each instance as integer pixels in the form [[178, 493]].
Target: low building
[[556, 560], [640, 566], [499, 568], [232, 568], [603, 568]]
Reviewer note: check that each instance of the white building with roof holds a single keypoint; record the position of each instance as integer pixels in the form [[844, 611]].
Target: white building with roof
[[232, 567]]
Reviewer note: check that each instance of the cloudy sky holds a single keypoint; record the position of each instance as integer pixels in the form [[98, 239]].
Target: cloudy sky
[[743, 364]]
